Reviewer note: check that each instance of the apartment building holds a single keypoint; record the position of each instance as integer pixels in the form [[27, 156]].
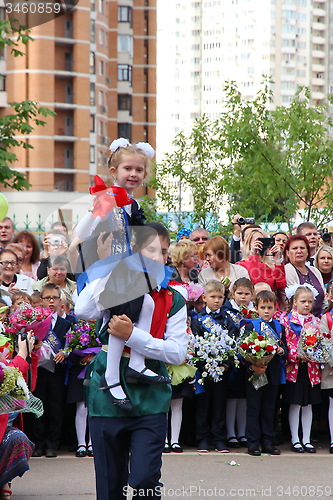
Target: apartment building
[[203, 43], [95, 66]]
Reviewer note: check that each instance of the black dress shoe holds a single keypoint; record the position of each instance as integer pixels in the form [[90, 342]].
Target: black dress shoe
[[123, 403], [331, 448], [271, 450], [90, 451], [38, 453], [309, 448], [176, 448], [132, 376], [254, 451], [297, 447], [233, 442], [81, 451], [51, 453]]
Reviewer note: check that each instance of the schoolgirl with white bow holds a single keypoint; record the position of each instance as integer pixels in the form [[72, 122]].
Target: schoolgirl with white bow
[[128, 166], [303, 376]]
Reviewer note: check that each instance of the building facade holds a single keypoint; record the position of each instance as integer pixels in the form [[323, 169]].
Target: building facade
[[204, 43], [95, 66]]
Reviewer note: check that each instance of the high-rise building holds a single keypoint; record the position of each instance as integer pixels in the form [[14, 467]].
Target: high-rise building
[[95, 66], [203, 43]]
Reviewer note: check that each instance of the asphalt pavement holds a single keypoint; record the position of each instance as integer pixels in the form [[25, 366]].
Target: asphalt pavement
[[193, 475]]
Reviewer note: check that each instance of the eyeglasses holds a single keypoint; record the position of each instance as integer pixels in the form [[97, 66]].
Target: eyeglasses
[[50, 298], [6, 263], [198, 238]]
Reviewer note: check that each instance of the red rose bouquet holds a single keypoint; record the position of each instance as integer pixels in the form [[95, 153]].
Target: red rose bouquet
[[38, 319], [258, 349], [313, 345]]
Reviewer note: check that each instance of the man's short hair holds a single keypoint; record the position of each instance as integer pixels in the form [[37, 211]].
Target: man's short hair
[[304, 225]]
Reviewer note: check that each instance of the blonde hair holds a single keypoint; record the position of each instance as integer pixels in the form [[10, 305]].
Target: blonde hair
[[180, 250], [214, 286], [116, 157], [246, 248], [324, 248]]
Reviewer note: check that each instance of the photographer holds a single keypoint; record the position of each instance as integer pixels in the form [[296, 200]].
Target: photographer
[[326, 237], [55, 243], [242, 228], [262, 259]]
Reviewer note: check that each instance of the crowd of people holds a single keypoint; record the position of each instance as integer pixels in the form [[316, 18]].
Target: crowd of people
[[279, 284]]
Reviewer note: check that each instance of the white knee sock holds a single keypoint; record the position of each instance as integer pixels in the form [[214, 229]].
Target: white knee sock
[[231, 417], [241, 416], [330, 418], [112, 374], [176, 419], [137, 361], [294, 422], [306, 422], [81, 423]]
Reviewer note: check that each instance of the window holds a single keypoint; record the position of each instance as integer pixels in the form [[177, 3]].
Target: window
[[100, 98], [92, 123], [125, 102], [92, 63], [125, 44], [124, 14], [92, 154], [125, 130], [100, 128], [92, 32], [92, 94], [2, 83], [101, 37], [124, 73], [101, 67], [101, 6], [63, 182]]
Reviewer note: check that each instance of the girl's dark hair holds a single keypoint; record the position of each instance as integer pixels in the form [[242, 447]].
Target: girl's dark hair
[[151, 229], [27, 235], [291, 239]]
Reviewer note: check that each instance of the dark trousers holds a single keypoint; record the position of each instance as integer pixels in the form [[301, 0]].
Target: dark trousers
[[260, 412], [210, 408], [46, 430], [132, 444]]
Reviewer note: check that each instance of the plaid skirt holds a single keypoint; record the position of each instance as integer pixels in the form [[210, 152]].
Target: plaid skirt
[[15, 451]]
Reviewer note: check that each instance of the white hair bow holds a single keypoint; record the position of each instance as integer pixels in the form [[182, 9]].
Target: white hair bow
[[291, 289]]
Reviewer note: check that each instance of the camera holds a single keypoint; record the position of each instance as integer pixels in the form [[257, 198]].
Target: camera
[[266, 243], [245, 220], [325, 235], [55, 240], [24, 336]]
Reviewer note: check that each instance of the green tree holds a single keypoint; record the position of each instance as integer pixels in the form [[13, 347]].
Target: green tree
[[279, 160], [21, 121], [194, 164]]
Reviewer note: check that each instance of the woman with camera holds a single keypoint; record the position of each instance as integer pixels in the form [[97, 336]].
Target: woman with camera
[[262, 258], [297, 252]]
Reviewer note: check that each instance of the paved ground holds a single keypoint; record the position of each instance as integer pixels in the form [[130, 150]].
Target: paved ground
[[193, 475]]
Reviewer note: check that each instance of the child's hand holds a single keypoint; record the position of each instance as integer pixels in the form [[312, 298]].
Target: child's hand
[[104, 245], [120, 327], [259, 370], [25, 346], [279, 350], [59, 357]]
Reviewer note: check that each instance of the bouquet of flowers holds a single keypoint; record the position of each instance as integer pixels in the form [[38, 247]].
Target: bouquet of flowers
[[248, 313], [215, 349], [258, 349], [314, 346], [38, 319], [14, 393], [82, 340]]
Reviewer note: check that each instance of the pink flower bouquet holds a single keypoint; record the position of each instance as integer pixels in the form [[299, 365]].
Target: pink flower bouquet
[[38, 319]]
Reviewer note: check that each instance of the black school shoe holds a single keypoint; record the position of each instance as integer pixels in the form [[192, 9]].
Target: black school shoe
[[271, 450], [254, 450]]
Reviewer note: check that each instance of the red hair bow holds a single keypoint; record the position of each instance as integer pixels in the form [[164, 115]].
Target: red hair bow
[[107, 197]]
